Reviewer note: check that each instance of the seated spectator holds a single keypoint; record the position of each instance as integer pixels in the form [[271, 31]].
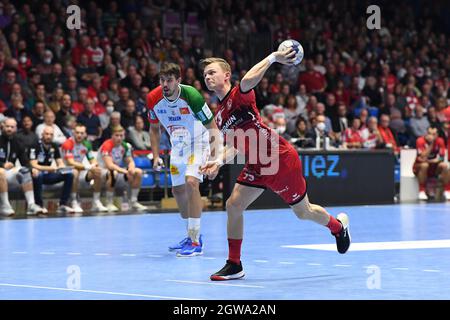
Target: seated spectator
[[48, 168], [11, 175], [27, 136], [430, 162], [37, 114], [302, 137], [115, 155], [137, 136], [351, 138], [371, 136], [49, 121], [128, 115], [64, 111], [279, 125], [78, 106], [418, 124], [313, 80], [114, 121], [339, 123], [75, 150], [319, 134], [105, 117], [320, 110], [90, 121], [17, 110], [387, 135], [70, 121]]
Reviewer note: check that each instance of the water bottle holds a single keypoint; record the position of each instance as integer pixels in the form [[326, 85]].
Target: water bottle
[[125, 206]]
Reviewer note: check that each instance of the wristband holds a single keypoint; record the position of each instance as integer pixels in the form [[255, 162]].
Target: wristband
[[271, 58]]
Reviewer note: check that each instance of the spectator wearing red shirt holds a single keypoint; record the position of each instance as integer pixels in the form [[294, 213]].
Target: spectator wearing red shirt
[[78, 106], [430, 162], [391, 80], [387, 135], [351, 137], [313, 80], [80, 49]]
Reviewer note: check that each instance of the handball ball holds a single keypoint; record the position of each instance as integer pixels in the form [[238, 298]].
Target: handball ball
[[294, 44]]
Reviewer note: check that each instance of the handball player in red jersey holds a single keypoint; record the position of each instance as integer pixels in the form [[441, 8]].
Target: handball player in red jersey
[[271, 162]]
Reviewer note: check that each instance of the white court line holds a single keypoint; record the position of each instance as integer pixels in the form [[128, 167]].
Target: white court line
[[95, 291], [20, 252], [286, 262], [342, 265], [314, 264], [73, 253], [431, 270], [372, 246], [154, 256], [102, 254], [208, 258], [402, 269], [217, 284], [46, 252], [261, 261], [128, 255]]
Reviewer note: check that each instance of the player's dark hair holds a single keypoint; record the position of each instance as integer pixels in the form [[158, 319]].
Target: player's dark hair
[[170, 69]]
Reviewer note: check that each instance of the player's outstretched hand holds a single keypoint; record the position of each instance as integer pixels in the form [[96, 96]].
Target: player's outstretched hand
[[210, 169], [286, 57]]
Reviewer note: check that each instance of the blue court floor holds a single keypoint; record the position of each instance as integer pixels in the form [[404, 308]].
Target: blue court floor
[[398, 252]]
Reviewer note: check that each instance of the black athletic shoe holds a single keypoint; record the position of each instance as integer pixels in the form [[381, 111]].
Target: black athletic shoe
[[343, 239], [231, 271]]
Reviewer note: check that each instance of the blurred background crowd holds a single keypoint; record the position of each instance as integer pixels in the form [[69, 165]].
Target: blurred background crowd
[[360, 88]]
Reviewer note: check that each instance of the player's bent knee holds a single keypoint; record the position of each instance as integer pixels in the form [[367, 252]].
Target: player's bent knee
[[24, 175], [234, 206], [192, 183]]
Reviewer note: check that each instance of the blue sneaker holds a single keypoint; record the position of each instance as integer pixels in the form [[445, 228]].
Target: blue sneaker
[[190, 250], [179, 245]]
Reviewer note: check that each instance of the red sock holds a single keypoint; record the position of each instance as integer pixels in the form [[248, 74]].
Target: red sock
[[234, 250], [422, 187], [334, 225], [447, 187]]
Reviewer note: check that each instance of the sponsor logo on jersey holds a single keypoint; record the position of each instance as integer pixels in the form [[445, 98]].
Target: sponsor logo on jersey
[[177, 118], [174, 170], [184, 110], [161, 111], [191, 159]]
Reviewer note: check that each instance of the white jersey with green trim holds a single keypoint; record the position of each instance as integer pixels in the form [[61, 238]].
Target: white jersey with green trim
[[184, 118]]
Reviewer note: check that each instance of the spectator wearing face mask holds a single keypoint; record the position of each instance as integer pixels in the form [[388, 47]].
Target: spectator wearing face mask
[[280, 127], [319, 133], [106, 116]]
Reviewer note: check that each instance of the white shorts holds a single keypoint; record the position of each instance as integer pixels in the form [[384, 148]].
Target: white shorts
[[11, 178], [188, 164], [82, 183]]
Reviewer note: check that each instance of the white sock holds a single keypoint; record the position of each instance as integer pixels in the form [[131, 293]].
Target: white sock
[[29, 195], [5, 199], [109, 196], [96, 196], [134, 195], [74, 196], [194, 229]]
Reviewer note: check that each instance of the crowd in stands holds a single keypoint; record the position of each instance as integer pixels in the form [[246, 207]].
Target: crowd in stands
[[360, 88]]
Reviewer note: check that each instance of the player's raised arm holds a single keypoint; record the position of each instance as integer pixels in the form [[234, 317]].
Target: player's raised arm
[[256, 73]]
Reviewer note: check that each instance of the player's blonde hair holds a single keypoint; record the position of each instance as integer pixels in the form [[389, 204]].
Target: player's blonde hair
[[117, 129], [222, 63]]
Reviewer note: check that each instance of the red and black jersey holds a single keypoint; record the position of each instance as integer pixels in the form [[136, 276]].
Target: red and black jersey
[[238, 117]]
